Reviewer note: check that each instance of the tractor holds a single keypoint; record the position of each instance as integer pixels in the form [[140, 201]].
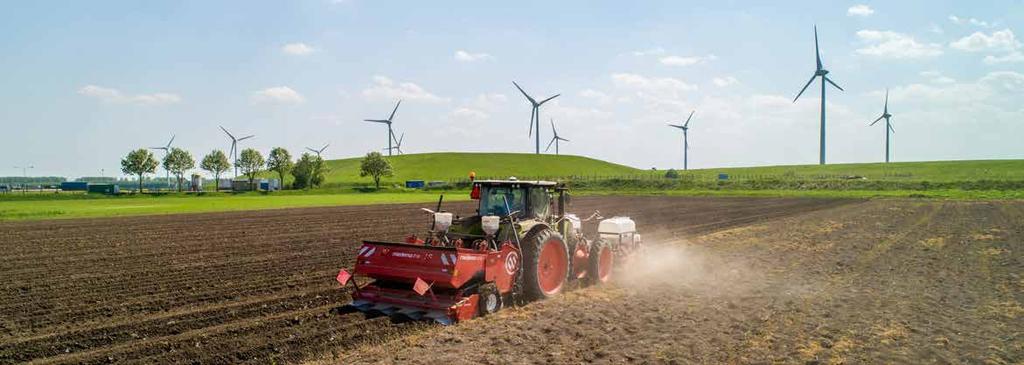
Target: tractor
[[520, 246]]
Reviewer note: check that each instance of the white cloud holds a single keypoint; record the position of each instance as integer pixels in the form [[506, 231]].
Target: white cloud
[[298, 49], [385, 88], [656, 92], [463, 113], [937, 77], [110, 95], [686, 61], [463, 56], [278, 94], [1002, 40], [980, 23], [935, 28], [887, 44], [1012, 57], [725, 81], [860, 10], [649, 52], [598, 96]]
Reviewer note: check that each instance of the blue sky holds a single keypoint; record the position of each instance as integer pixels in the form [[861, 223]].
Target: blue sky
[[86, 82]]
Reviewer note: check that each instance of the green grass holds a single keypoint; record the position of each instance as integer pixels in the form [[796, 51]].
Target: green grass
[[932, 171], [456, 166], [987, 179], [33, 209]]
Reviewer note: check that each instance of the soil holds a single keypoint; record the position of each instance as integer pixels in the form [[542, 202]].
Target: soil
[[258, 287], [875, 282]]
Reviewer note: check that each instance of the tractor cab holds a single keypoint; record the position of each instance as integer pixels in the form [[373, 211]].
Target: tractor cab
[[521, 199]]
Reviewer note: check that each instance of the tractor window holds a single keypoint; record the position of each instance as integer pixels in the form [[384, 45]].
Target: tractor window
[[492, 200], [540, 202]]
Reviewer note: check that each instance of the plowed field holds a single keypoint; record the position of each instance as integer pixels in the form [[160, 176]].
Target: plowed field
[[258, 286], [881, 282]]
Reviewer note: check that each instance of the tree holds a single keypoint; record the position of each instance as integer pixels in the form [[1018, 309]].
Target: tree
[[139, 163], [216, 163], [309, 171], [280, 161], [177, 162], [251, 163], [376, 166], [672, 174]]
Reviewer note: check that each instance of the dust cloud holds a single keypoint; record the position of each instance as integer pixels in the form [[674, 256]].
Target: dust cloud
[[681, 265]]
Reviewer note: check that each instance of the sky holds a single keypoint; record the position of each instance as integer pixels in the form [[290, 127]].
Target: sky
[[84, 83]]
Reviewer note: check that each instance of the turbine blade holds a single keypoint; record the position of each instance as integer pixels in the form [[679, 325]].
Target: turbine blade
[[687, 124], [532, 114], [805, 87], [171, 141], [546, 100], [311, 150], [226, 131], [562, 139], [553, 130], [324, 148], [889, 123], [876, 121], [528, 97], [817, 54], [394, 110], [886, 109], [677, 126], [833, 84], [246, 137], [549, 145]]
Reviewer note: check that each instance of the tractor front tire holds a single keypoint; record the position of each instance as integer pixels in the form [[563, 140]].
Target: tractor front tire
[[545, 264], [601, 261]]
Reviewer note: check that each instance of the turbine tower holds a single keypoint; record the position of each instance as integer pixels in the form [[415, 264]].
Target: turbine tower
[[391, 134], [167, 149], [822, 72], [888, 124], [686, 143], [554, 139], [318, 152], [398, 144], [535, 113], [234, 147]]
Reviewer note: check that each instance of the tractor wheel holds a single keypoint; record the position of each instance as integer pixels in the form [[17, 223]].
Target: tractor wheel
[[545, 264], [601, 261], [490, 300]]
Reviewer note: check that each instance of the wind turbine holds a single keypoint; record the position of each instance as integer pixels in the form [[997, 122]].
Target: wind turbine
[[535, 114], [554, 139], [888, 124], [234, 147], [398, 144], [320, 151], [686, 143], [822, 72], [167, 149], [391, 135]]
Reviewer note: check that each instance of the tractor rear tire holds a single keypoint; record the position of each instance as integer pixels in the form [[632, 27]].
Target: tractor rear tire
[[601, 262], [545, 264]]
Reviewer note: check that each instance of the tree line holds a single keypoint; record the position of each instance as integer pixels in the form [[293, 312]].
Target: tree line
[[308, 170]]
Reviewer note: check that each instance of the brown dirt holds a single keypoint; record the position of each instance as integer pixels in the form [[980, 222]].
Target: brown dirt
[[258, 286], [878, 282]]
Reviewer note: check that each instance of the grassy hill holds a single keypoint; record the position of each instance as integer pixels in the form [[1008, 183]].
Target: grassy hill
[[457, 165], [932, 171]]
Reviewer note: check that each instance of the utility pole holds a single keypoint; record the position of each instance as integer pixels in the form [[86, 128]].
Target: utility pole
[[24, 175]]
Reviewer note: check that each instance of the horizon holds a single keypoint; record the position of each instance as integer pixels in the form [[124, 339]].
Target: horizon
[[87, 83]]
